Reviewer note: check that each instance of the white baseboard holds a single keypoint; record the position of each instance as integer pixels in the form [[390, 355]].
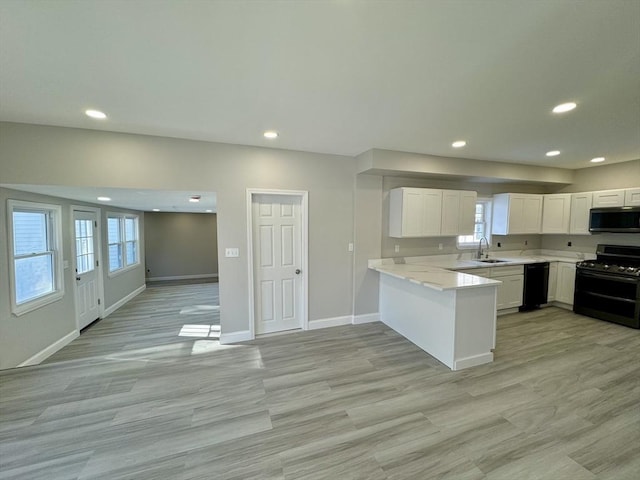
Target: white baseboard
[[473, 361], [51, 349], [235, 337], [122, 301], [330, 322], [366, 318], [181, 277], [506, 311]]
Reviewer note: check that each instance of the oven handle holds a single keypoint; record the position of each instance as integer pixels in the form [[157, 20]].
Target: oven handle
[[608, 277], [609, 297]]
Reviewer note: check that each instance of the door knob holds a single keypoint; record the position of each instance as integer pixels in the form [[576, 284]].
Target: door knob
[[297, 271], [78, 278]]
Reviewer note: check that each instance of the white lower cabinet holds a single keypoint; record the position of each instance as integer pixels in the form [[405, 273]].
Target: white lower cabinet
[[566, 282], [553, 281], [510, 290]]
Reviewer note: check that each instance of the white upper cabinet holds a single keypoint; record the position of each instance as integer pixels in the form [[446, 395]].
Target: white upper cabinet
[[632, 197], [429, 212], [432, 201], [516, 213], [414, 212], [458, 212], [608, 198], [580, 206], [555, 213], [450, 212]]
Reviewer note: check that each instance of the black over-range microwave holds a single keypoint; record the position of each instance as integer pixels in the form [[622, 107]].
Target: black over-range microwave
[[615, 219]]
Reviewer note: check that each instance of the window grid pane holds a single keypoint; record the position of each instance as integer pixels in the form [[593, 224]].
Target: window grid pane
[[30, 233], [34, 277], [85, 256], [479, 229]]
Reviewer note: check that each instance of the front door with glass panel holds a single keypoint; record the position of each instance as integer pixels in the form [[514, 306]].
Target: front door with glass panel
[[86, 267]]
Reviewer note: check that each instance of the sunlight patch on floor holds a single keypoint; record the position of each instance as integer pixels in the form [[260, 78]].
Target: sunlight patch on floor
[[204, 331], [199, 309]]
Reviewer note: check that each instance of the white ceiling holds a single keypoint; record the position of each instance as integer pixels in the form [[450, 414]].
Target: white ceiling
[[336, 76]]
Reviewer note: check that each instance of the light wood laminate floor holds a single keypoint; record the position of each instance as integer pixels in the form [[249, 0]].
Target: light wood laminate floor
[[132, 399]]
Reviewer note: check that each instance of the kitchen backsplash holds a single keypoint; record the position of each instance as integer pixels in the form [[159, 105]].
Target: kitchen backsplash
[[588, 243], [415, 247]]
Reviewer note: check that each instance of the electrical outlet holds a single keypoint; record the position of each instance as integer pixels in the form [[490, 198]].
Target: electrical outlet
[[232, 252], [568, 244], [499, 244], [440, 246], [397, 248], [350, 247], [526, 242]]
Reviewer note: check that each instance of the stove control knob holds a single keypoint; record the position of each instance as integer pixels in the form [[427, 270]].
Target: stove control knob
[[606, 267], [621, 269], [631, 269], [592, 265]]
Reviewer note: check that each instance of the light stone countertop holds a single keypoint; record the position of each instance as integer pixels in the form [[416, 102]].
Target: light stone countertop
[[437, 272]]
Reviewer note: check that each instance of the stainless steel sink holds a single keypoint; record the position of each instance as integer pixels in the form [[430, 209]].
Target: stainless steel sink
[[491, 260]]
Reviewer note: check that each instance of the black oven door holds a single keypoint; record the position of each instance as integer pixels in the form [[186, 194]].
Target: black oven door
[[608, 297]]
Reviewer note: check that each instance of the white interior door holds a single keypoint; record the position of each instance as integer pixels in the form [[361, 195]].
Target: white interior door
[[86, 267], [277, 257]]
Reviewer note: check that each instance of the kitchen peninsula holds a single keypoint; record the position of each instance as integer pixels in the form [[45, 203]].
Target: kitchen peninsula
[[450, 315]]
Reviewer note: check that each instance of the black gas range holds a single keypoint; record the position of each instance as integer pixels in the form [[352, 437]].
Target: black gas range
[[608, 288]]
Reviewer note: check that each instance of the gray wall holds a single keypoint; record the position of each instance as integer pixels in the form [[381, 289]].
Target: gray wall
[[180, 244], [368, 242], [605, 177], [31, 154], [24, 336]]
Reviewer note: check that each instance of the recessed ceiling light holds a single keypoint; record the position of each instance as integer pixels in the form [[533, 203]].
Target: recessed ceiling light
[[597, 160], [104, 199], [553, 153], [564, 107], [270, 134], [156, 209], [458, 144], [95, 114], [195, 199]]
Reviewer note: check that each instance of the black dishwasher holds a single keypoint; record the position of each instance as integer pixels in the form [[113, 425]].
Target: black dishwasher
[[536, 283]]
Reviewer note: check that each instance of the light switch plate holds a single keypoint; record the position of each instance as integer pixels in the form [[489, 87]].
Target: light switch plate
[[232, 252]]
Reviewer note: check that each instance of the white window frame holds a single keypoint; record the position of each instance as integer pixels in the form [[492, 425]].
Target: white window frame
[[54, 237], [488, 207], [122, 217]]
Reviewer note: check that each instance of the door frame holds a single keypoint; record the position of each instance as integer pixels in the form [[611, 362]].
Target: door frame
[[304, 226], [98, 255]]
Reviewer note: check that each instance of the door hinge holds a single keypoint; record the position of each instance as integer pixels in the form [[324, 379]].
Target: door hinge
[[95, 224], [97, 263], [98, 301]]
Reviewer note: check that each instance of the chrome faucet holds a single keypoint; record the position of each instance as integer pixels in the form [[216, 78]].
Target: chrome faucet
[[479, 253]]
